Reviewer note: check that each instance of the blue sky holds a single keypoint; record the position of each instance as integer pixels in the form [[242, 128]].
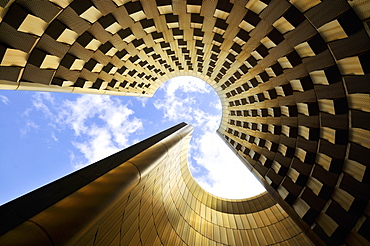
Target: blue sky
[[45, 136]]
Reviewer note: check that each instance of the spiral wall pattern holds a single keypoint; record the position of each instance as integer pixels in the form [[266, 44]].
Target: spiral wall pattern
[[293, 78]]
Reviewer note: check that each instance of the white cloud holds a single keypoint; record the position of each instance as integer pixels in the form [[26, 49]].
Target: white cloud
[[4, 99], [105, 122], [216, 167], [177, 108], [217, 105], [54, 137], [206, 121], [40, 99], [143, 100], [185, 84], [29, 126], [227, 176], [40, 102], [99, 144], [102, 125]]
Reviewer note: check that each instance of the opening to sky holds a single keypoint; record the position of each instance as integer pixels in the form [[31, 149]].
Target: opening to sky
[[212, 163], [48, 135]]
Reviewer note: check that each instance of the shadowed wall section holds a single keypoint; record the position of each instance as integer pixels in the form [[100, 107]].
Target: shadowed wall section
[[292, 76]]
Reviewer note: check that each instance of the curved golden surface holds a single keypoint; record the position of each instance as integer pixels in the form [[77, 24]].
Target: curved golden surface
[[293, 78]]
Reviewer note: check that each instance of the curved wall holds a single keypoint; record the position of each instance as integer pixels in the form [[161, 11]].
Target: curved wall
[[182, 213], [293, 78], [148, 198]]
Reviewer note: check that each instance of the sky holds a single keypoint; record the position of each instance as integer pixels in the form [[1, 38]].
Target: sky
[[45, 136]]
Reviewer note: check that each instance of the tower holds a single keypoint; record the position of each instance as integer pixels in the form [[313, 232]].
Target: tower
[[293, 78], [144, 195]]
